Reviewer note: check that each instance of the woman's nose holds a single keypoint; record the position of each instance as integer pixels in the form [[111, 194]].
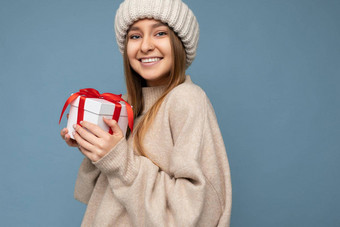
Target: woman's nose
[[147, 45]]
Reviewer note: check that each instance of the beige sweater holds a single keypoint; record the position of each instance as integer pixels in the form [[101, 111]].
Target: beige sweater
[[192, 187]]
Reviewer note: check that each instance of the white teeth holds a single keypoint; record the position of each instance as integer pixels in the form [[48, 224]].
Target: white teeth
[[145, 60]]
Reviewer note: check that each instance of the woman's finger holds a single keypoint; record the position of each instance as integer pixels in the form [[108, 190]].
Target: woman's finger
[[70, 142], [83, 143], [63, 132], [95, 129], [114, 126], [67, 138], [88, 136]]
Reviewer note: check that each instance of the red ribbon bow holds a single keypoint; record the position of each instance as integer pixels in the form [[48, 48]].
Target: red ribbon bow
[[93, 93]]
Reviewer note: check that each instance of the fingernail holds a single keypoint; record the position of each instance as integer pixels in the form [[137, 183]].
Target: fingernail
[[74, 126], [81, 122], [64, 130]]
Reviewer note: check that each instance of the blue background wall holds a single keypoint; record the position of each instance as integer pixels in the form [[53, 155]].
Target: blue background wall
[[270, 68]]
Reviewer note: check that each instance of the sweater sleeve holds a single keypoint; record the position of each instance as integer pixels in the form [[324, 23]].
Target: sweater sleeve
[[86, 180], [87, 177], [152, 196]]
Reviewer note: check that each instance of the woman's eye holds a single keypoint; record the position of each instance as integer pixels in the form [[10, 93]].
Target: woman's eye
[[134, 36], [161, 34]]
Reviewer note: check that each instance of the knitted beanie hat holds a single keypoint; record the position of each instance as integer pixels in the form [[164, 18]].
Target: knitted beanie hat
[[174, 13]]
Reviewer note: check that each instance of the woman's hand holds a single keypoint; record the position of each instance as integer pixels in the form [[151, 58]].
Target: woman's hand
[[67, 138], [94, 142], [64, 134]]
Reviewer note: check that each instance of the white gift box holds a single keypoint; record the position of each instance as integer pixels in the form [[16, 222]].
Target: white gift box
[[94, 111]]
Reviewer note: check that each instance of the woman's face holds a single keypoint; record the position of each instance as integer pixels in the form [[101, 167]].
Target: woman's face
[[149, 51]]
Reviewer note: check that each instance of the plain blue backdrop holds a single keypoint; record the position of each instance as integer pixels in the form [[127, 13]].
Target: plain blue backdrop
[[271, 69]]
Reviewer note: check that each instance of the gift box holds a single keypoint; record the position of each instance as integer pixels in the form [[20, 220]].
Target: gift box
[[89, 105], [94, 111]]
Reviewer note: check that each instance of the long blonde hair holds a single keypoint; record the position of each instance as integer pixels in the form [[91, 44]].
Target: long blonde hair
[[135, 82]]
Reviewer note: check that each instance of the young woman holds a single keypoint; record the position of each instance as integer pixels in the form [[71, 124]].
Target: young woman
[[172, 170]]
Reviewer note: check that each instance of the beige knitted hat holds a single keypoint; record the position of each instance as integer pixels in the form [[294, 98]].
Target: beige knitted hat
[[174, 13]]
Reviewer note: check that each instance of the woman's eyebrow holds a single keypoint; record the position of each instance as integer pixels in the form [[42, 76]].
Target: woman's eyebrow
[[159, 24], [133, 29], [156, 25]]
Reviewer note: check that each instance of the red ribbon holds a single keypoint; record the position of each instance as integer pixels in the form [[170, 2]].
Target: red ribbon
[[93, 93]]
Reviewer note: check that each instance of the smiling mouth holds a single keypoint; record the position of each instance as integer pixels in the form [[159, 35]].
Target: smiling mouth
[[148, 60]]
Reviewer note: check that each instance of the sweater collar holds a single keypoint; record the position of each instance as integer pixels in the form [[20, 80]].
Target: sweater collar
[[152, 94]]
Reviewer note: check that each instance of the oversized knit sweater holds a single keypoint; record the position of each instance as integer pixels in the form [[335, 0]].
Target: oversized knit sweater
[[191, 186]]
